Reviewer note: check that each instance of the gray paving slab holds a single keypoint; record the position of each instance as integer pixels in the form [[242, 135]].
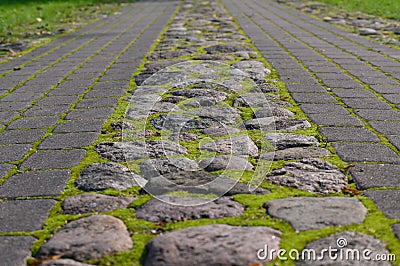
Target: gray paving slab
[[56, 159], [349, 134], [34, 122], [366, 103], [35, 184], [387, 201], [92, 113], [24, 215], [313, 98], [368, 176], [335, 120], [87, 125], [4, 169], [322, 108], [21, 136], [15, 152], [395, 140], [387, 127], [366, 153], [68, 140], [14, 250]]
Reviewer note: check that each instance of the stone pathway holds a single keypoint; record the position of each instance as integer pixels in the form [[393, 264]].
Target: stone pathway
[[250, 127]]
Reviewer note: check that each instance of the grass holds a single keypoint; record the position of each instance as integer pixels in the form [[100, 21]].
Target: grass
[[29, 19], [382, 8]]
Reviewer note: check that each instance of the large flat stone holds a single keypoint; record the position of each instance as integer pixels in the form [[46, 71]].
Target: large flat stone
[[240, 145], [211, 245], [14, 250], [225, 162], [375, 175], [288, 140], [307, 213], [156, 167], [366, 153], [386, 201]]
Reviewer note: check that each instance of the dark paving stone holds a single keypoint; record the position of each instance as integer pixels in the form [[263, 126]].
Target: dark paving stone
[[98, 102], [80, 239], [7, 116], [378, 81], [216, 244], [34, 122], [92, 125], [297, 153], [386, 127], [68, 140], [103, 93], [323, 108], [75, 83], [335, 120], [366, 153], [24, 215], [378, 114], [225, 162], [345, 84], [4, 169], [353, 93], [365, 103], [308, 88], [67, 92], [21, 97], [11, 153], [375, 175], [386, 88], [386, 201], [46, 110], [92, 113], [85, 203], [111, 85], [307, 213], [349, 134], [57, 100], [31, 184], [395, 140], [313, 98], [15, 250], [14, 106], [21, 136], [393, 98], [54, 159]]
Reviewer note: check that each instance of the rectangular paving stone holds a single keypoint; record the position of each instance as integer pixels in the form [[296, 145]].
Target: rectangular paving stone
[[21, 97], [386, 88], [4, 169], [393, 98], [68, 140], [67, 91], [35, 184], [97, 102], [40, 88], [7, 116], [353, 93], [386, 127], [368, 176], [111, 85], [349, 134], [57, 159], [395, 140], [12, 153], [21, 136], [387, 201], [90, 113], [366, 153], [24, 215], [366, 103], [378, 81], [305, 88], [92, 125], [34, 122], [14, 106], [57, 100], [79, 83], [331, 83], [313, 98], [335, 120], [378, 114], [15, 250], [46, 110], [309, 108], [106, 93]]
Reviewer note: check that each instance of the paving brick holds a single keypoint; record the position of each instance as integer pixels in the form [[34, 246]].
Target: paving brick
[[335, 120], [34, 88], [67, 91], [46, 110], [34, 122], [12, 153], [378, 114], [14, 106], [92, 125], [366, 153], [364, 103], [386, 201], [395, 140], [21, 97], [57, 100], [368, 176], [349, 134], [79, 83], [4, 169], [21, 136], [353, 93], [106, 93], [97, 102], [7, 116], [305, 88], [386, 88], [68, 140], [378, 81], [342, 84], [111, 85], [393, 98], [313, 98], [387, 127], [24, 215], [15, 250], [56, 159], [35, 184], [90, 113], [323, 108]]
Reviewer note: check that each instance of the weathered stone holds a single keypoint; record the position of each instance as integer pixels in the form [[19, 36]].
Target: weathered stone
[[225, 162], [180, 122], [307, 213], [286, 123], [216, 244], [155, 167], [216, 95], [213, 57], [157, 55], [367, 31], [346, 243], [255, 100], [224, 115], [297, 153], [240, 145], [122, 126], [183, 136], [273, 111], [101, 176], [287, 140], [123, 151], [88, 238], [225, 48], [85, 203], [255, 69], [161, 211], [63, 262], [220, 131], [242, 188], [313, 175], [265, 88]]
